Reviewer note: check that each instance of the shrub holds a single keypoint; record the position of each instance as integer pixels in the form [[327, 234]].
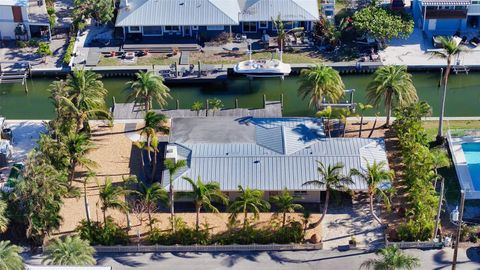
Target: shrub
[[44, 49], [416, 230], [51, 10], [69, 51], [52, 19], [107, 234], [182, 236], [33, 43], [21, 44]]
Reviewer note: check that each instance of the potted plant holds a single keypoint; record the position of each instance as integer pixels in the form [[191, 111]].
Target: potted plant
[[352, 242]]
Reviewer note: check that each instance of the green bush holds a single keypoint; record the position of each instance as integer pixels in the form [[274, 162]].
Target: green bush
[[33, 43], [416, 230], [69, 51], [291, 233], [44, 49], [21, 44], [107, 234], [50, 10], [52, 19]]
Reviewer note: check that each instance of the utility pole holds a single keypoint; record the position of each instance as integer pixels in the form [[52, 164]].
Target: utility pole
[[459, 229]]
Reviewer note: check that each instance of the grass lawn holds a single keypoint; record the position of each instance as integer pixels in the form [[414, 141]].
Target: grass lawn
[[432, 126], [151, 59]]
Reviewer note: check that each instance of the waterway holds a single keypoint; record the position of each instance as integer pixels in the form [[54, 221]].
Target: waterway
[[463, 97]]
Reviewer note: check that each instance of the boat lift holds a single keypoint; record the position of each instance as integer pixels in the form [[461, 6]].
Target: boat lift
[[345, 104], [15, 72]]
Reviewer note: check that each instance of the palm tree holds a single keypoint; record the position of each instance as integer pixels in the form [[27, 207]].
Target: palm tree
[[197, 106], [9, 256], [450, 50], [281, 33], [110, 197], [440, 159], [215, 104], [142, 146], [285, 204], [86, 97], [374, 175], [392, 259], [69, 251], [173, 167], [203, 195], [327, 114], [363, 108], [148, 87], [3, 216], [250, 200], [151, 196], [392, 84], [321, 83], [90, 175], [332, 179], [78, 146], [343, 115]]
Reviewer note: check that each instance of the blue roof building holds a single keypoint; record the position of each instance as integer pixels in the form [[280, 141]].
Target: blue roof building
[[269, 154]]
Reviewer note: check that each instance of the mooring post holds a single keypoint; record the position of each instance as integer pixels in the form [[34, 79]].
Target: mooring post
[[206, 107], [199, 69], [178, 104], [281, 100], [113, 103], [176, 70], [25, 83], [236, 103], [264, 101]]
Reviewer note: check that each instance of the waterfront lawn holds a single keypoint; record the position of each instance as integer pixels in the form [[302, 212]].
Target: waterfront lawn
[[148, 60], [431, 127]]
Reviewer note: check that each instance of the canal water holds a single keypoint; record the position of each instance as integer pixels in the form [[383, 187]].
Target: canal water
[[463, 95]]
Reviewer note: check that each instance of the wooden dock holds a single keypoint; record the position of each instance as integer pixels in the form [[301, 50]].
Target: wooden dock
[[123, 111], [15, 72]]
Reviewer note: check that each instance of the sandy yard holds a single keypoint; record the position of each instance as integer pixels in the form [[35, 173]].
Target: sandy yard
[[114, 149]]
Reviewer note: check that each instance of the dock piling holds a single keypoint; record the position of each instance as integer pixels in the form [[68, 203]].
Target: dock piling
[[264, 101], [206, 107], [281, 99], [178, 104]]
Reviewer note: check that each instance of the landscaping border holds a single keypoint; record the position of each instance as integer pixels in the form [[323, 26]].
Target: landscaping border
[[210, 248]]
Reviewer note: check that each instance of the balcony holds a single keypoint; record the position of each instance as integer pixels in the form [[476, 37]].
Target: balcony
[[446, 14]]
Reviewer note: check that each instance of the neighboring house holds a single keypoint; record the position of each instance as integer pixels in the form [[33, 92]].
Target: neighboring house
[[23, 19], [445, 17], [328, 9], [269, 154], [202, 19]]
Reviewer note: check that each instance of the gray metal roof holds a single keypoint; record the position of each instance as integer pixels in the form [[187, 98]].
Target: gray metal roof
[[280, 163], [289, 10], [178, 12], [446, 2]]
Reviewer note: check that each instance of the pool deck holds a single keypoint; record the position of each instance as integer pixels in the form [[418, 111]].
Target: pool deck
[[461, 166]]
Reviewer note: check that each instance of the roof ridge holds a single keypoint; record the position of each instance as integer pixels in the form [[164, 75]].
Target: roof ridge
[[284, 139], [236, 20], [308, 11]]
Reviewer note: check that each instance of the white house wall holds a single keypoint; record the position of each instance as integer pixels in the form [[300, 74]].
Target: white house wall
[[7, 25]]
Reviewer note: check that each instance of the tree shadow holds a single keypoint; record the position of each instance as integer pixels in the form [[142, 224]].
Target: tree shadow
[[123, 259]]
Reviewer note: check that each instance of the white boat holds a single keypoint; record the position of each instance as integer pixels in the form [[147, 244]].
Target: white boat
[[263, 68]]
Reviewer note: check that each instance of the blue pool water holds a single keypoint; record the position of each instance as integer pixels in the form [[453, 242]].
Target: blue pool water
[[472, 156]]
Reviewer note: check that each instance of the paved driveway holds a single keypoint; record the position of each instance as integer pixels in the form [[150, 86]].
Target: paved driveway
[[298, 260]]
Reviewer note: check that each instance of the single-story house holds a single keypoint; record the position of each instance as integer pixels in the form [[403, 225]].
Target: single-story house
[[23, 19], [208, 18], [269, 154]]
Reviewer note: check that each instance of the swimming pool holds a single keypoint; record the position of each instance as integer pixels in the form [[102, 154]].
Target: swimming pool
[[472, 157]]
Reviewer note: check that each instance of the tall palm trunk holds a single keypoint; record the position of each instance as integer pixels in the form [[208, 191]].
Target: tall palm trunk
[[245, 216], [325, 208], [85, 199], [444, 95], [143, 163], [172, 204], [373, 127], [198, 207], [370, 195], [344, 127], [284, 218], [388, 99], [361, 126], [154, 166], [104, 210], [150, 223], [71, 176]]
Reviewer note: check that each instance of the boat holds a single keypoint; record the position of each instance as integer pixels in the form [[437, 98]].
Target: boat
[[263, 68]]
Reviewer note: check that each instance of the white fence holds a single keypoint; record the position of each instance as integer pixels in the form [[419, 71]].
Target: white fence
[[211, 248]]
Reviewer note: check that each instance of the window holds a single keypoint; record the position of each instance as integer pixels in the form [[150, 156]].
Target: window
[[249, 27], [134, 29], [152, 30], [299, 193], [215, 28], [172, 28], [475, 2], [263, 25]]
